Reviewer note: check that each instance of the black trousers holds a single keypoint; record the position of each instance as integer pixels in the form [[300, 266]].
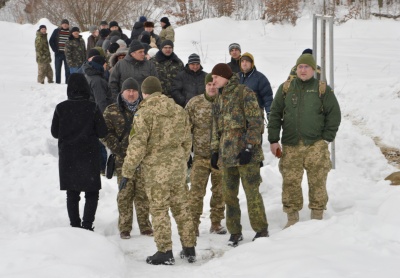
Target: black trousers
[[73, 198]]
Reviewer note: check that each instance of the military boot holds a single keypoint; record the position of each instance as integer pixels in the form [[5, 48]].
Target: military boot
[[125, 235], [263, 233], [166, 258], [293, 218], [217, 228], [189, 253], [234, 239], [317, 214]]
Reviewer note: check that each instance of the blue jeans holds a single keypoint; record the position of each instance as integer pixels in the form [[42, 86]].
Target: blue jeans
[[59, 58], [73, 70]]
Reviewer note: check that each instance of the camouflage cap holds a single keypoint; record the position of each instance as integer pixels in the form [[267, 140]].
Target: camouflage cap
[[151, 85]]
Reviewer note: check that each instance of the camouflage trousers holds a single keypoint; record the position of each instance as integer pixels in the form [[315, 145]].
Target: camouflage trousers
[[250, 176], [167, 189], [200, 173], [133, 193], [315, 159], [45, 70]]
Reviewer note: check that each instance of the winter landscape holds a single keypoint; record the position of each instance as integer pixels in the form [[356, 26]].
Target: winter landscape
[[359, 237]]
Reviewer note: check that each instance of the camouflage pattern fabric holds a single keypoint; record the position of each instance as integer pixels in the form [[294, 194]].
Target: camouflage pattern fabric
[[167, 34], [42, 49], [45, 70], [200, 173], [75, 52], [239, 122], [167, 71], [134, 192], [315, 159], [251, 180], [160, 143]]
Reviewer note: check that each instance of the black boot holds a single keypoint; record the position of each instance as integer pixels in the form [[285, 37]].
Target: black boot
[[166, 258], [73, 199], [234, 239], [263, 233], [89, 212], [189, 253]]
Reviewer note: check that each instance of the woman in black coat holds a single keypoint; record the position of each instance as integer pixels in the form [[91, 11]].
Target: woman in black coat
[[77, 124]]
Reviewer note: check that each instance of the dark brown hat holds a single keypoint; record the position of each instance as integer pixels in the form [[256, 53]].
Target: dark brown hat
[[148, 24], [222, 70]]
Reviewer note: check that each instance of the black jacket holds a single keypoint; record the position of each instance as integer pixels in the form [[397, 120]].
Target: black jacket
[[137, 29], [77, 124], [234, 65]]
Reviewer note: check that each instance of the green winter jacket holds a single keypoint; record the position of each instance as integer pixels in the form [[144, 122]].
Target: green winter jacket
[[303, 114], [42, 49]]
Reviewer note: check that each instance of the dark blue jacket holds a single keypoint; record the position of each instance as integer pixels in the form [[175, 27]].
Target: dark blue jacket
[[257, 81]]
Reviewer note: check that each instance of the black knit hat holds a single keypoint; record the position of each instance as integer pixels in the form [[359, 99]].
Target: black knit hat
[[134, 46], [194, 59], [113, 47], [307, 51], [103, 22], [151, 85], [142, 19], [93, 52], [165, 20], [42, 26], [130, 83], [167, 42], [112, 24], [99, 60], [222, 70], [75, 29]]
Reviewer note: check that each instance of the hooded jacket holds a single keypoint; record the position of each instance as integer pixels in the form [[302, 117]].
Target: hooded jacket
[[42, 48]]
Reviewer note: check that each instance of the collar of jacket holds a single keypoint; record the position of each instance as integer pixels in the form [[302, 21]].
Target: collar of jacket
[[160, 57], [132, 60], [306, 82], [189, 71], [208, 98], [71, 37], [234, 61], [232, 83], [247, 74]]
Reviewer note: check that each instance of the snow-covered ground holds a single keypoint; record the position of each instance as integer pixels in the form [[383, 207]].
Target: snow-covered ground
[[359, 237]]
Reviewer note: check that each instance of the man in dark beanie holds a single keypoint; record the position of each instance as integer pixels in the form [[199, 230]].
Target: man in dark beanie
[[119, 119], [237, 151], [235, 51], [311, 118], [133, 65], [138, 28], [103, 34], [168, 65], [162, 152], [57, 42], [167, 32], [75, 50], [103, 25], [43, 57], [189, 82], [293, 71]]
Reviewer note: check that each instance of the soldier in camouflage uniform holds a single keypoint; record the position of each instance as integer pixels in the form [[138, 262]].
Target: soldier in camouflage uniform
[[160, 143], [75, 50], [167, 32], [199, 109], [43, 57], [118, 118], [168, 65], [309, 119], [236, 143]]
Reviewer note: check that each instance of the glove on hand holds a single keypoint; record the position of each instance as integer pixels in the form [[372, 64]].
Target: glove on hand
[[214, 161], [244, 157], [190, 162], [123, 183]]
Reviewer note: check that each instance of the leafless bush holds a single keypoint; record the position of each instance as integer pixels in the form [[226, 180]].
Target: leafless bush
[[282, 11]]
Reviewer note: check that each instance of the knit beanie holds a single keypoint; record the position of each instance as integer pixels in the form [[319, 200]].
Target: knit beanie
[[103, 22], [134, 46], [148, 24], [208, 78], [194, 59], [142, 19], [65, 21], [75, 29], [113, 47], [307, 59], [42, 26], [92, 28], [165, 20], [167, 42], [222, 70], [248, 57], [130, 83], [234, 45], [98, 63], [112, 24], [151, 85], [307, 51], [93, 52]]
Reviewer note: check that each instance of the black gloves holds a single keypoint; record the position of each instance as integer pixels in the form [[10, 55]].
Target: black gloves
[[244, 156], [190, 162], [123, 183], [214, 161]]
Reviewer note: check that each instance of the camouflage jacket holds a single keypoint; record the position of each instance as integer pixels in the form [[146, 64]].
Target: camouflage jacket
[[167, 34], [199, 109], [239, 122], [167, 69], [159, 139], [75, 52], [113, 116], [42, 49]]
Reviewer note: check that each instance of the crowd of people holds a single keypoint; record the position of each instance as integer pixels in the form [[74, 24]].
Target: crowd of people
[[163, 119]]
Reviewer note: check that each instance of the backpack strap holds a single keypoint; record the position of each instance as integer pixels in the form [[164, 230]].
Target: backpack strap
[[286, 86]]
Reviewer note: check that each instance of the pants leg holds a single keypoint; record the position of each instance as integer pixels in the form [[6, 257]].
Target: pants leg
[[217, 203], [49, 73], [251, 180], [230, 183], [66, 68], [89, 212], [125, 205], [291, 168], [73, 199], [58, 59], [141, 204], [41, 72], [317, 164]]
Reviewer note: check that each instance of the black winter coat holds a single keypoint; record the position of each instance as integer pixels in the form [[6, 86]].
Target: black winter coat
[[137, 30], [234, 65], [78, 123], [188, 84]]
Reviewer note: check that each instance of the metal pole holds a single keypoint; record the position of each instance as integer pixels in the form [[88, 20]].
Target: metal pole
[[315, 27], [332, 83]]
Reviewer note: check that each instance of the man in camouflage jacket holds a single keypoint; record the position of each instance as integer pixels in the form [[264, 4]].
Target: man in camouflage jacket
[[75, 50], [236, 143], [309, 118], [199, 109], [43, 57], [118, 118], [160, 143]]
